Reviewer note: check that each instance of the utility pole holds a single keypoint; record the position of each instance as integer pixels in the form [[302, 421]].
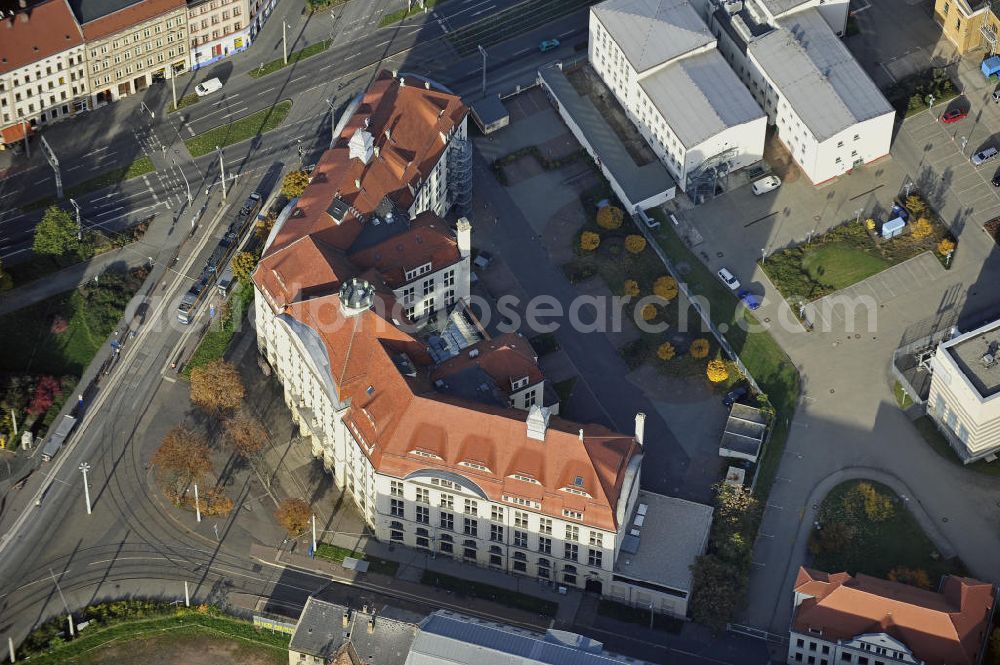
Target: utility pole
[[857, 215], [10, 647], [314, 533], [187, 185], [79, 223], [69, 615], [187, 595], [222, 169], [54, 163], [197, 506], [284, 40], [173, 86], [333, 123], [482, 51], [908, 186], [24, 130], [84, 468], [13, 419]]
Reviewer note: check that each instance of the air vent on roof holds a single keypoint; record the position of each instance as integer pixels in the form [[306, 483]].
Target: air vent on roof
[[440, 384], [370, 390], [639, 519], [988, 360], [473, 353], [635, 532], [356, 296], [578, 481], [642, 509]]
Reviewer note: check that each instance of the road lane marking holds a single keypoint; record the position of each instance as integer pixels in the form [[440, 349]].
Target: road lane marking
[[483, 11], [298, 78], [264, 92]]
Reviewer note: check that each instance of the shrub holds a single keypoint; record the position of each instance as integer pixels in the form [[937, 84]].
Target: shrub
[[945, 246], [294, 184], [913, 576], [610, 217], [635, 244], [631, 287], [589, 241], [648, 312], [915, 205], [870, 224], [47, 390], [699, 348], [922, 228], [666, 287], [666, 351], [716, 371]]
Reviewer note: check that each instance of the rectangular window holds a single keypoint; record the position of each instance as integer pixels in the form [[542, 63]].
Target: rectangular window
[[544, 525], [846, 657], [544, 545], [520, 519], [496, 533], [520, 539], [572, 532], [826, 649], [471, 527], [423, 495], [423, 514], [471, 507], [396, 535], [447, 521], [571, 551], [520, 566], [447, 547], [798, 657], [496, 513], [449, 278], [396, 508], [447, 501], [800, 643], [395, 488], [594, 558], [496, 560], [428, 287], [596, 539]]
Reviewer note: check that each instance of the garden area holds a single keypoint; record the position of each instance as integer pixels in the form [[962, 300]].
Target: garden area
[[911, 94], [130, 631], [865, 527], [854, 251]]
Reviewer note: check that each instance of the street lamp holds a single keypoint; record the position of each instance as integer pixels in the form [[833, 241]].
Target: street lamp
[[284, 39], [84, 468], [908, 186], [857, 215], [930, 105], [965, 140], [482, 51], [763, 255], [187, 185], [222, 170], [197, 504], [333, 123]]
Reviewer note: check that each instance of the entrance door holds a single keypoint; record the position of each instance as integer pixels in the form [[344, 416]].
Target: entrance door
[[216, 50], [595, 586]]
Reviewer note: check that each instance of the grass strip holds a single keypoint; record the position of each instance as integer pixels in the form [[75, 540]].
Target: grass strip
[[239, 130], [337, 554], [470, 589], [294, 57], [139, 167], [184, 102], [216, 341], [397, 16], [186, 621]]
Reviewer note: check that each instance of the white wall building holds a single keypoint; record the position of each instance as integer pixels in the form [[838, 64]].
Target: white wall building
[[964, 398], [827, 112], [659, 59]]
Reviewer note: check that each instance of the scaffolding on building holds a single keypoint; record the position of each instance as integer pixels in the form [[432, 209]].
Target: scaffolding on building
[[460, 173], [711, 177]]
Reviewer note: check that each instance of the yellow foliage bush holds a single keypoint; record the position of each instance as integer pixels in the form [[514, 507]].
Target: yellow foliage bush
[[870, 224], [610, 217], [922, 228], [648, 312], [631, 287], [716, 371], [666, 351], [666, 287], [589, 241], [635, 244], [699, 348], [945, 246]]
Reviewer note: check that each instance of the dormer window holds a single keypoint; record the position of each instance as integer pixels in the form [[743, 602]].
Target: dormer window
[[474, 465], [425, 453], [524, 478], [517, 384], [418, 271]]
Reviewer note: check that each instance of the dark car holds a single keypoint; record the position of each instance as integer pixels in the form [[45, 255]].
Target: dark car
[[996, 179], [734, 395], [954, 115], [750, 300]]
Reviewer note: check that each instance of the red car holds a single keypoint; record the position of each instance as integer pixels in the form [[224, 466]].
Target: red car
[[953, 115]]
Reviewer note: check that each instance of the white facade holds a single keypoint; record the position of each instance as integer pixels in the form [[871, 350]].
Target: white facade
[[435, 288], [963, 399], [217, 29], [49, 89], [433, 192], [868, 649]]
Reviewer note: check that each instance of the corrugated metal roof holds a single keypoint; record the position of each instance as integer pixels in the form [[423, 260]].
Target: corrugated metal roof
[[700, 96], [817, 75], [461, 640], [651, 32], [779, 7]]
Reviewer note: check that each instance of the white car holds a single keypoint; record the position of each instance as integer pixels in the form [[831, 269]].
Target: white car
[[766, 184], [729, 279], [208, 87]]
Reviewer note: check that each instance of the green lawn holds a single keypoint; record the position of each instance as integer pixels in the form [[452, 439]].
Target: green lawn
[[183, 102], [496, 594], [91, 314], [139, 167], [397, 16], [838, 265], [935, 439], [293, 57], [903, 398], [876, 547], [216, 341], [239, 130], [338, 554]]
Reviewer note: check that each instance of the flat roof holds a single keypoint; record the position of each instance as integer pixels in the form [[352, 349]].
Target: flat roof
[[744, 433], [967, 352], [700, 96], [638, 182], [817, 75], [779, 7], [651, 32], [673, 533]]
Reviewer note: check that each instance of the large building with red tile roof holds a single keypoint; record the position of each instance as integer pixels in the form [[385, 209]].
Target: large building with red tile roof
[[861, 620], [42, 70], [444, 436]]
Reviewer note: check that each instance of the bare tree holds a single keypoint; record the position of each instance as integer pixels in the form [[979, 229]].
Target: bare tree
[[293, 515], [182, 458], [217, 387]]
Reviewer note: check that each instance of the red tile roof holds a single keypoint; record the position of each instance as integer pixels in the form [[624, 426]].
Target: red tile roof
[[393, 415], [944, 628], [416, 117], [505, 358], [130, 17], [36, 33], [427, 240]]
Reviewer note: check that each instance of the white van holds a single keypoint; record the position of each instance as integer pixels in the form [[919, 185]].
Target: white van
[[984, 155], [208, 87], [766, 184]]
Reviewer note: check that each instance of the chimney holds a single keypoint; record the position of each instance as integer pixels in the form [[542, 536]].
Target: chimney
[[345, 618], [640, 427], [464, 237], [357, 183], [376, 150], [427, 85], [581, 435], [537, 422], [371, 625], [402, 81], [388, 134]]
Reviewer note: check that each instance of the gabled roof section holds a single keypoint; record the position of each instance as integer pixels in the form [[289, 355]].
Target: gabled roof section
[[305, 268], [36, 33], [943, 628], [103, 18], [427, 240], [652, 32]]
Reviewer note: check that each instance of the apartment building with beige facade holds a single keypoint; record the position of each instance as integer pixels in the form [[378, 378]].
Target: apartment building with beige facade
[[42, 73], [968, 24], [216, 29], [131, 45]]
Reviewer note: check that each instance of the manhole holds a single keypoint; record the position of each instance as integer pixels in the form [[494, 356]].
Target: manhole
[[817, 218], [723, 328], [719, 254], [857, 335], [944, 519], [833, 390], [767, 319]]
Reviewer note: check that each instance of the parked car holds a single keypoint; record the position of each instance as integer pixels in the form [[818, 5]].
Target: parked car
[[766, 184], [750, 300], [996, 179], [984, 155], [548, 45], [729, 279], [734, 395], [208, 87], [483, 259], [954, 115]]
